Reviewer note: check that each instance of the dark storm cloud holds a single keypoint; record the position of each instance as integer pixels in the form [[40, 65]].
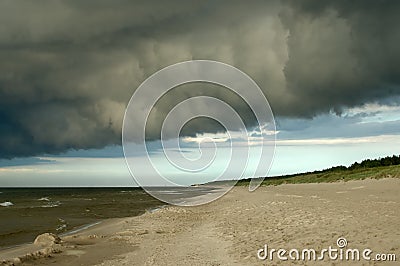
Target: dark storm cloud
[[341, 53], [68, 68]]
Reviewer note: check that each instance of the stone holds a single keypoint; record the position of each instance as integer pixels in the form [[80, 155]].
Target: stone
[[47, 240]]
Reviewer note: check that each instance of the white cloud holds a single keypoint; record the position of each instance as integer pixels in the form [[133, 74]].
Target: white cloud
[[337, 141]]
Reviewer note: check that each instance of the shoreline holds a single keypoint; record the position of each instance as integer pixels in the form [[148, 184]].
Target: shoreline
[[67, 233], [81, 228], [232, 229], [59, 211]]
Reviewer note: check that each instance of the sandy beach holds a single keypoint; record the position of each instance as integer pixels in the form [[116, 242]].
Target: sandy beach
[[232, 230]]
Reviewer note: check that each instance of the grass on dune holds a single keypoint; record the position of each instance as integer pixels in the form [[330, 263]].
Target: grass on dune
[[332, 175]]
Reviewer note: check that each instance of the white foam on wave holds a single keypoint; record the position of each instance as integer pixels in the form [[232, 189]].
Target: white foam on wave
[[80, 229], [44, 199], [169, 192], [51, 204], [6, 204], [61, 227], [151, 210]]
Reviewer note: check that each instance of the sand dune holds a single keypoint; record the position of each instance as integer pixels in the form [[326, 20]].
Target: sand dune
[[231, 230]]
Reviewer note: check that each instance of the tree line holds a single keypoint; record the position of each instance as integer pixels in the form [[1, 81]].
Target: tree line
[[370, 163]]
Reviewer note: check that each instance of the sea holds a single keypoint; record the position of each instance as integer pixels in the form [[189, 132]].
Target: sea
[[27, 212]]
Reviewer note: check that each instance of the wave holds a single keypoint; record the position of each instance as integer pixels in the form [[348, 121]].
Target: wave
[[6, 204], [156, 209], [81, 228], [51, 204], [61, 227], [169, 192], [44, 199]]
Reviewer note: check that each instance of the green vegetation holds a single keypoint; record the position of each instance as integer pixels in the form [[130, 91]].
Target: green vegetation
[[378, 168]]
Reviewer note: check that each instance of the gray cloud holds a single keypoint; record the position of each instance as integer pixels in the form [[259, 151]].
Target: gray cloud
[[68, 68], [341, 53]]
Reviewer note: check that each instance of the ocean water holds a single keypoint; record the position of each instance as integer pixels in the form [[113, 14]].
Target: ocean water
[[26, 213]]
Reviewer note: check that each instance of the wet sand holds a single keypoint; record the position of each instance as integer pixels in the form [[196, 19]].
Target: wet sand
[[231, 230]]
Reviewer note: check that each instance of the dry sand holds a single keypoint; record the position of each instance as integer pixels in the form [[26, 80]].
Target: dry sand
[[232, 229]]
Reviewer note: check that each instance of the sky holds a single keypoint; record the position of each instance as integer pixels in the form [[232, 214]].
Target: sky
[[329, 69]]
